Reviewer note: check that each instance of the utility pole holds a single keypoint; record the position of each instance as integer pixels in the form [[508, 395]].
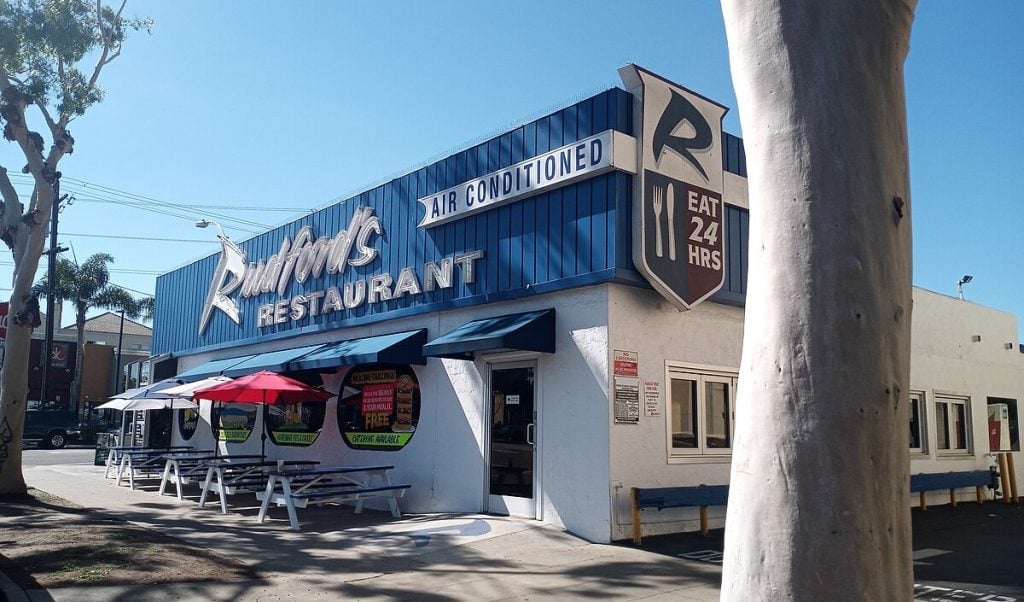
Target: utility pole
[[120, 341], [51, 274]]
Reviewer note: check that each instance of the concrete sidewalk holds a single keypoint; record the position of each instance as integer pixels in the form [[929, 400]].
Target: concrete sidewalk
[[340, 555]]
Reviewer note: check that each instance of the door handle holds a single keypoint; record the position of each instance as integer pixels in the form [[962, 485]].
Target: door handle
[[529, 434]]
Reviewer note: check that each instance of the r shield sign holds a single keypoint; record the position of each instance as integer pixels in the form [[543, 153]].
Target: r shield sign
[[678, 245]]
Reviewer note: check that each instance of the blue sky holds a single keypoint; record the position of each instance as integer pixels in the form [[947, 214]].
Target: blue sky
[[281, 107]]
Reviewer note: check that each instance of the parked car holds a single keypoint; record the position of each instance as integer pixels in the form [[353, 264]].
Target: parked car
[[53, 429]]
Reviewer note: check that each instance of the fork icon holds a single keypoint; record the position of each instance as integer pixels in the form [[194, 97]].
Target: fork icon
[[659, 199]]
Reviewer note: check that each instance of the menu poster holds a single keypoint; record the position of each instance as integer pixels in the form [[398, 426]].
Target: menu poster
[[379, 406]]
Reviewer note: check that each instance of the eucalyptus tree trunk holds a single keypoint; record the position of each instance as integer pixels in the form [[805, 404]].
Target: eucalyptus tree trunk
[[819, 496], [22, 319]]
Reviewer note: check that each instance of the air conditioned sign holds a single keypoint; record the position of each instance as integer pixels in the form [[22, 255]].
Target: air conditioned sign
[[678, 215], [582, 159], [306, 257]]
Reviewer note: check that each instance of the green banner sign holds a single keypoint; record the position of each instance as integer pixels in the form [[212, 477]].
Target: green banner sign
[[397, 440], [294, 438], [234, 435]]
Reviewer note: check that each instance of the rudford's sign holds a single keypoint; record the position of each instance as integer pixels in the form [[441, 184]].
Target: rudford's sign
[[307, 258], [678, 216]]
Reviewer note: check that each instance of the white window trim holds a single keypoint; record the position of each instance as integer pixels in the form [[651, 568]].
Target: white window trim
[[922, 412], [954, 399], [701, 374]]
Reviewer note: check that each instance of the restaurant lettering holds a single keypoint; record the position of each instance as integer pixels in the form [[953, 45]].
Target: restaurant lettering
[[306, 258]]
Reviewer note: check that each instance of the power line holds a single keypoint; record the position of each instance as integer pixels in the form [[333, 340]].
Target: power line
[[113, 270], [90, 192], [146, 238]]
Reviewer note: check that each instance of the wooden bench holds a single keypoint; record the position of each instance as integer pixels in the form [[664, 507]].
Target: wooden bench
[[925, 482], [701, 496]]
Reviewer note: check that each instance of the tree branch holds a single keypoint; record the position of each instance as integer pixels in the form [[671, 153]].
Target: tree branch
[[11, 209]]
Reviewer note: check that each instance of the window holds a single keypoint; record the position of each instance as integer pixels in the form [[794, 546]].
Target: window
[[1003, 425], [700, 411], [917, 423], [952, 424]]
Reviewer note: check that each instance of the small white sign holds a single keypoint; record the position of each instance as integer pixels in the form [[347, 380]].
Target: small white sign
[[511, 400], [652, 398], [584, 158]]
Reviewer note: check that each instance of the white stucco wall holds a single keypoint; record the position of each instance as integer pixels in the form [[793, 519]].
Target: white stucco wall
[[444, 461], [946, 359], [586, 461], [709, 334]]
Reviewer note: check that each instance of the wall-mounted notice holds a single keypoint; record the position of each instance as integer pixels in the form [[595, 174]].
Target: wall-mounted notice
[[627, 400], [625, 363], [652, 398]]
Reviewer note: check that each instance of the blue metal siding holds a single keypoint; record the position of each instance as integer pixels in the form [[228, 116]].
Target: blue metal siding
[[558, 239], [737, 236], [576, 235]]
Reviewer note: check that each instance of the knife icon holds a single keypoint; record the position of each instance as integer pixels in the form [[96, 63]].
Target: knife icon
[[671, 223]]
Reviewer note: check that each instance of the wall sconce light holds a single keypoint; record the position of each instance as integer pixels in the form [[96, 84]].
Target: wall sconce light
[[976, 338], [1009, 346]]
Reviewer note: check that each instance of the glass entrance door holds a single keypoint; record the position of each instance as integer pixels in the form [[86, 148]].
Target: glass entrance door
[[512, 440]]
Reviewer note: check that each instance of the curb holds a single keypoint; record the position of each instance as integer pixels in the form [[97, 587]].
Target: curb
[[11, 591]]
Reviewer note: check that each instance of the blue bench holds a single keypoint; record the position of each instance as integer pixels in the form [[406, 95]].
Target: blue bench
[[923, 483], [701, 496]]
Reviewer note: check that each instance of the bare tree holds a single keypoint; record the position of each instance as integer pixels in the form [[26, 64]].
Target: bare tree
[[819, 496], [44, 47]]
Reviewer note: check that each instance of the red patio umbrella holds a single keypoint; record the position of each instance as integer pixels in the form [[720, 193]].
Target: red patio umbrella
[[264, 387]]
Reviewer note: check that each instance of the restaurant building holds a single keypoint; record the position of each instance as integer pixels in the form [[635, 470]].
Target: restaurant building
[[539, 322]]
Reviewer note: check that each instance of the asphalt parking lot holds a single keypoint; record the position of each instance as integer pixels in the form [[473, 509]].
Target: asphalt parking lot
[[971, 552]]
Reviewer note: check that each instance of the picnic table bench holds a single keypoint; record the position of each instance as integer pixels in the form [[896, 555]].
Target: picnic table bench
[[147, 461], [184, 468], [227, 477], [115, 452], [329, 484]]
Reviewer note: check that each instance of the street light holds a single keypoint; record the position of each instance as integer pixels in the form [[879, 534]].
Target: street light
[[960, 285], [203, 223]]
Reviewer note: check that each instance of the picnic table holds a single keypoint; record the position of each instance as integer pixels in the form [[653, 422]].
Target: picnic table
[[186, 467], [147, 460], [227, 477], [323, 484], [115, 452]]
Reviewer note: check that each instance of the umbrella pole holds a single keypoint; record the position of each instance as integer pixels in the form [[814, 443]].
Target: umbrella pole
[[170, 429], [263, 434]]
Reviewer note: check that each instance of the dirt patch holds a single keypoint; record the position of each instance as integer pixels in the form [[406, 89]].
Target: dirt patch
[[47, 542]]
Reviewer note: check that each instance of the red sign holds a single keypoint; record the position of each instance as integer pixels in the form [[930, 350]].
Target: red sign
[[624, 363], [5, 307], [378, 398]]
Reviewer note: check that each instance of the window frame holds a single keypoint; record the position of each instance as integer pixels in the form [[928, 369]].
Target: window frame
[[702, 376], [952, 401], [921, 399]]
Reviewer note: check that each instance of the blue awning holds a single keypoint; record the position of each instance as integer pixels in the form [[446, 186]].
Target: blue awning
[[211, 368], [275, 361], [530, 331], [398, 348]]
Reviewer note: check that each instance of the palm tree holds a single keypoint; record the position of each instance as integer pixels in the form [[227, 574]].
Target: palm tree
[[87, 286]]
